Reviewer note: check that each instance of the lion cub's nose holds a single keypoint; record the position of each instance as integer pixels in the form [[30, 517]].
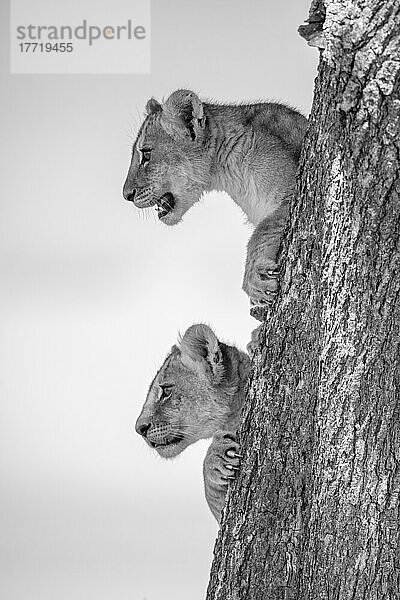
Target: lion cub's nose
[[142, 428], [129, 193]]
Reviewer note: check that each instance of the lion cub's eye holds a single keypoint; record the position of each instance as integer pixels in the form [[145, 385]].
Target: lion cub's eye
[[146, 154], [166, 391]]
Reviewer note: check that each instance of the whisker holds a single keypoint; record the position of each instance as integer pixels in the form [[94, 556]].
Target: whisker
[[186, 433]]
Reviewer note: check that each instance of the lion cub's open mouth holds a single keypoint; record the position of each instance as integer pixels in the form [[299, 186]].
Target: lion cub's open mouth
[[165, 205], [171, 442]]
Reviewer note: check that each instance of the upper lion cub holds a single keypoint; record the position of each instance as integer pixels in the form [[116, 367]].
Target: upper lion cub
[[186, 147]]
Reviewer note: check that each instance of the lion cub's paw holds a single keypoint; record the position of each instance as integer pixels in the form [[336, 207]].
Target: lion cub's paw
[[261, 283], [223, 459]]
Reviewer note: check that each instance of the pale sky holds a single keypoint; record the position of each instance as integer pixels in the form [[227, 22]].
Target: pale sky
[[93, 295]]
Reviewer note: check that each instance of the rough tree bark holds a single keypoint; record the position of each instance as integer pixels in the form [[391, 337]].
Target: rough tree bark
[[314, 513]]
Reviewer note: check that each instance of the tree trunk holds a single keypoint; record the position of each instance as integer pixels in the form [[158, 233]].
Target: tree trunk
[[315, 511]]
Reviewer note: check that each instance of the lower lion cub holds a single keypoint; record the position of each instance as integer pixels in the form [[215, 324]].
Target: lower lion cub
[[198, 393]]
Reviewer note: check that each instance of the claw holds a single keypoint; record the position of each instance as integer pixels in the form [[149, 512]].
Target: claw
[[268, 274], [233, 454], [232, 468], [266, 301]]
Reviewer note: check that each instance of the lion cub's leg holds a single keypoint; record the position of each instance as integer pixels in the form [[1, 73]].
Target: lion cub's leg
[[255, 341], [220, 466], [261, 276]]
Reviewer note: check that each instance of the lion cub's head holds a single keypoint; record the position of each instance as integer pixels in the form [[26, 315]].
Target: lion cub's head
[[198, 390], [170, 166]]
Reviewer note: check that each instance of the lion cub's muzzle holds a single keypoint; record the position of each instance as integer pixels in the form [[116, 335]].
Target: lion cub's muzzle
[[158, 434], [141, 197], [144, 198]]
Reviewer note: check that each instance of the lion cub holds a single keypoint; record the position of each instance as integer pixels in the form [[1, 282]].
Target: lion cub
[[186, 147], [198, 393]]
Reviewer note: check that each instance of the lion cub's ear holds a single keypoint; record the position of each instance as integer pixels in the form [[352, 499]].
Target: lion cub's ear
[[201, 350], [183, 114], [153, 106]]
